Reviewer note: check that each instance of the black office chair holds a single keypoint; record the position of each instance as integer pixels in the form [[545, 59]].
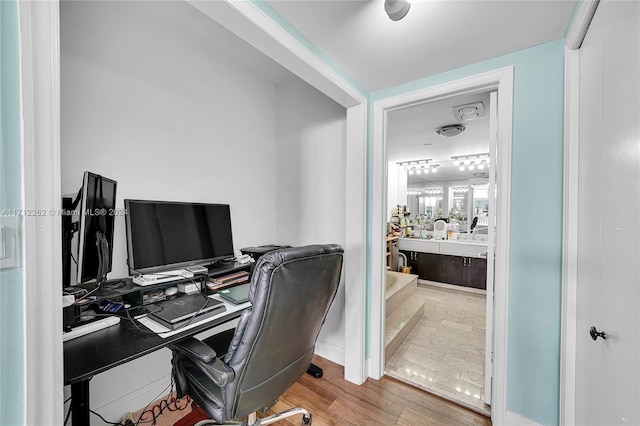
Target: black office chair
[[234, 374]]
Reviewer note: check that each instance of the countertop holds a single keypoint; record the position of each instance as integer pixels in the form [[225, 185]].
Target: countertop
[[467, 248]]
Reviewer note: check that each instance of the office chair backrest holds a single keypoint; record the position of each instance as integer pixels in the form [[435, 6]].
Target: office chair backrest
[[291, 292]]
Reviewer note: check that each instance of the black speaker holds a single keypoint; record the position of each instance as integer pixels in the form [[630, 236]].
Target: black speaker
[[70, 317]]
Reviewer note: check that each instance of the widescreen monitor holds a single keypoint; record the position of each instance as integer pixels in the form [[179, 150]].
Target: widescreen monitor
[[164, 235], [97, 214]]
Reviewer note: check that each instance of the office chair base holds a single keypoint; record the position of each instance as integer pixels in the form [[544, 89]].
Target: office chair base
[[306, 416], [253, 421]]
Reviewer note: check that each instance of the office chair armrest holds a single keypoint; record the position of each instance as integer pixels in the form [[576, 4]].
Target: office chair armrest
[[205, 357], [219, 372], [194, 349]]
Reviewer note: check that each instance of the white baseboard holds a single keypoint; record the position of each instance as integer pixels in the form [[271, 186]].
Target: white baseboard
[[514, 419], [331, 352]]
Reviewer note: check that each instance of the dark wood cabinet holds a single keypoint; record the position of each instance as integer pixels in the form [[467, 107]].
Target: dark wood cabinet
[[476, 271], [442, 268]]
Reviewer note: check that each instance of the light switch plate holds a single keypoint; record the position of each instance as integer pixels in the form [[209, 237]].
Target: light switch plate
[[3, 244], [9, 243]]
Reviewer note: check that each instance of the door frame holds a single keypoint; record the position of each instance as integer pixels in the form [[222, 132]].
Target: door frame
[[502, 81], [42, 251], [569, 333]]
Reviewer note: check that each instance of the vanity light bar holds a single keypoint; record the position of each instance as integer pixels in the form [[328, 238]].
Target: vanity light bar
[[422, 167], [414, 162], [425, 191], [471, 162]]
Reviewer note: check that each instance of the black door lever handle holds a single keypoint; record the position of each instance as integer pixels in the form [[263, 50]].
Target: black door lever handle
[[595, 333]]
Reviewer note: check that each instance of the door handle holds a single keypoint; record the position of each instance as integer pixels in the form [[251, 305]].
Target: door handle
[[464, 261], [595, 334]]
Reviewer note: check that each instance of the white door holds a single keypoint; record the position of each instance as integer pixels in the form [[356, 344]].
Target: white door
[[608, 276]]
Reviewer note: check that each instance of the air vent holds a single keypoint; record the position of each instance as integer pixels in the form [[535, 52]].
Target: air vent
[[450, 131], [469, 111]]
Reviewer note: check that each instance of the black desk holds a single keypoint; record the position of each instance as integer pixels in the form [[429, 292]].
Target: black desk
[[97, 352]]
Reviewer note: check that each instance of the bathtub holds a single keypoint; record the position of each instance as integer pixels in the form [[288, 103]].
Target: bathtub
[[399, 278], [399, 287]]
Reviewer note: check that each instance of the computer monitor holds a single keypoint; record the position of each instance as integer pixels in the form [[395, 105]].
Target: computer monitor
[[164, 235], [97, 215]]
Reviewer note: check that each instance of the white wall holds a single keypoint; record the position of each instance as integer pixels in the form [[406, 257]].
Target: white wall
[[311, 185], [149, 99]]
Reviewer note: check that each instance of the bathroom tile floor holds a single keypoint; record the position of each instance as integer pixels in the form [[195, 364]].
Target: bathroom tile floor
[[444, 353]]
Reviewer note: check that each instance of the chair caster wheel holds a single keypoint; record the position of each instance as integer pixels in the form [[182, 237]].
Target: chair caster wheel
[[306, 420]]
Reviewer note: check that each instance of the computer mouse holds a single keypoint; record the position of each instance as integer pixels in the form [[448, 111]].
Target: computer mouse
[[170, 291]]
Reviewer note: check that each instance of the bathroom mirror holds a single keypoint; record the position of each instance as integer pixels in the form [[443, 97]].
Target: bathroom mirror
[[458, 200]]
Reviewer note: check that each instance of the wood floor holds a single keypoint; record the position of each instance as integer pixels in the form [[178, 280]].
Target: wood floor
[[334, 401]]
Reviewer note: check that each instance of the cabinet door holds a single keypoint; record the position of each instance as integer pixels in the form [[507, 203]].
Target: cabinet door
[[476, 273], [429, 266], [453, 270]]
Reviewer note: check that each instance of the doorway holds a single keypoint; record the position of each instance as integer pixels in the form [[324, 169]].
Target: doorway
[[436, 316], [502, 82]]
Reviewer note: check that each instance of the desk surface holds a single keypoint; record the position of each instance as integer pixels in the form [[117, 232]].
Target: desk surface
[[97, 352]]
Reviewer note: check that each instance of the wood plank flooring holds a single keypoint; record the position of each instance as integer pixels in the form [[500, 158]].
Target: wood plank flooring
[[334, 401]]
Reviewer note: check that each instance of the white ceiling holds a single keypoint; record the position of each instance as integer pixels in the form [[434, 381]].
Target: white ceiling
[[435, 36], [411, 135]]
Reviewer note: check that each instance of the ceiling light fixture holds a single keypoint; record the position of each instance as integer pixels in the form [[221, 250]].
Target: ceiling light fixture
[[397, 9], [451, 131]]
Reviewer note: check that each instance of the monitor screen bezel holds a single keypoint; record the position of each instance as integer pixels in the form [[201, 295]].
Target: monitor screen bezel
[[135, 270], [86, 211]]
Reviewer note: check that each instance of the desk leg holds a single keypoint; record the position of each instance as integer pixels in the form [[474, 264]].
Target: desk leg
[[80, 403]]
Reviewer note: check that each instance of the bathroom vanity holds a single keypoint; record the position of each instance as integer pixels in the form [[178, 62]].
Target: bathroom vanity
[[456, 262]]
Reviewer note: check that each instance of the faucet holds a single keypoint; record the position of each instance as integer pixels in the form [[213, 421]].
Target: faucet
[[404, 263]]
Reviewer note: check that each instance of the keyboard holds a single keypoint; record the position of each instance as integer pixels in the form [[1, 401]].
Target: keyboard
[[162, 277]]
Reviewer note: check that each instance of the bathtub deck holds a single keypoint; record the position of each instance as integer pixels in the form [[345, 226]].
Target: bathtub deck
[[402, 310]]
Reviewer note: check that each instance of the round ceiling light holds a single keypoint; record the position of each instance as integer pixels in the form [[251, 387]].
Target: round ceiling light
[[451, 131], [396, 9]]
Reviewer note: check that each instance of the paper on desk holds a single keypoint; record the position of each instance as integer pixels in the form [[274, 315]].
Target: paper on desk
[[164, 332]]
